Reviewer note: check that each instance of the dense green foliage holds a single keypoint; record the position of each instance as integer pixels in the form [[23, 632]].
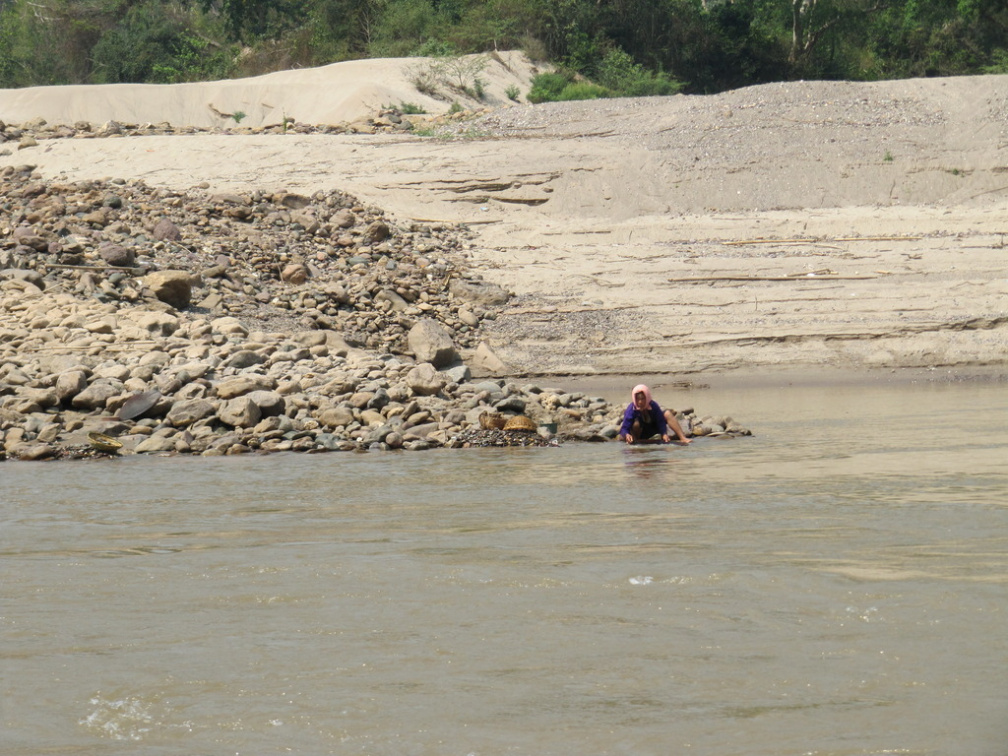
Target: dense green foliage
[[600, 47]]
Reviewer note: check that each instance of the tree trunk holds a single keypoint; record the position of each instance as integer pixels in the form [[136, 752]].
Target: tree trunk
[[800, 11]]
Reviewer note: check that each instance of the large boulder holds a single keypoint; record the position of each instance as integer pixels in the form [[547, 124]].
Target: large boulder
[[431, 343], [244, 358], [165, 230], [334, 417], [27, 236], [294, 273], [229, 326], [339, 383], [158, 323], [478, 292], [173, 287], [485, 362], [270, 403], [70, 383], [241, 412], [156, 444], [231, 388], [425, 380], [343, 219], [31, 280], [97, 394], [39, 397], [376, 232], [185, 413], [117, 255]]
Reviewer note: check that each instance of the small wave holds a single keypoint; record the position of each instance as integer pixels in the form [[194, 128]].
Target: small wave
[[126, 718]]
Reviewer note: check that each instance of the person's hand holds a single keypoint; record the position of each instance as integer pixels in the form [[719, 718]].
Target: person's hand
[[666, 439], [629, 438]]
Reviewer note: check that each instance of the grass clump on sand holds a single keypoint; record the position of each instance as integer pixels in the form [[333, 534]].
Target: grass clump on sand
[[617, 76]]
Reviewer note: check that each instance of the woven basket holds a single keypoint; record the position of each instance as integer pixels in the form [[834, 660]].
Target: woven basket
[[520, 423], [104, 443]]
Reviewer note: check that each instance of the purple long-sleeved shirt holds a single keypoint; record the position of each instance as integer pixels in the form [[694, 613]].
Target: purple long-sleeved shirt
[[657, 419]]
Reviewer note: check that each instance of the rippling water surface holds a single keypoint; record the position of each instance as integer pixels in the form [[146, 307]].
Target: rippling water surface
[[837, 584]]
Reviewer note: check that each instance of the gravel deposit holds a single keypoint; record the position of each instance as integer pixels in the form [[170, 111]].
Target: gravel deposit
[[188, 322]]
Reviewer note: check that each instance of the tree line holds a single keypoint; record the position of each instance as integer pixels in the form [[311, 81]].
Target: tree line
[[621, 46]]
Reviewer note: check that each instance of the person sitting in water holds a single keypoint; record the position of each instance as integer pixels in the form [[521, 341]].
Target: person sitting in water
[[644, 419]]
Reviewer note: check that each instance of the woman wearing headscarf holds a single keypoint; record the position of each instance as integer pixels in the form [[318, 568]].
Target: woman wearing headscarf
[[644, 419]]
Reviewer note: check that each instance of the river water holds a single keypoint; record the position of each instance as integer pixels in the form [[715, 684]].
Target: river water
[[837, 584]]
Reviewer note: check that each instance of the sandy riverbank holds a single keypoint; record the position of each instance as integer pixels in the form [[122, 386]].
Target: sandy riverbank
[[809, 225]]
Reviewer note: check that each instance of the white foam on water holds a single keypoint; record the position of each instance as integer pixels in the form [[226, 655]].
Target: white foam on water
[[126, 718]]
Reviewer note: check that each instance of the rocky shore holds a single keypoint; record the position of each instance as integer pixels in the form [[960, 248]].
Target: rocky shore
[[389, 120], [186, 322]]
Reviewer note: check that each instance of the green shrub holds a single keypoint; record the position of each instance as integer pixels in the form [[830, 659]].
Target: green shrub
[[651, 85], [456, 72], [557, 87], [547, 87], [434, 48], [619, 73], [478, 89], [999, 63], [583, 90]]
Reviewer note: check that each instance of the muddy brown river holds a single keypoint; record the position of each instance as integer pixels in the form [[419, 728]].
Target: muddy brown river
[[835, 585]]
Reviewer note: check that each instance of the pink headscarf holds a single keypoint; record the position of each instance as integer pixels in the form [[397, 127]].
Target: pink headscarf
[[638, 389]]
